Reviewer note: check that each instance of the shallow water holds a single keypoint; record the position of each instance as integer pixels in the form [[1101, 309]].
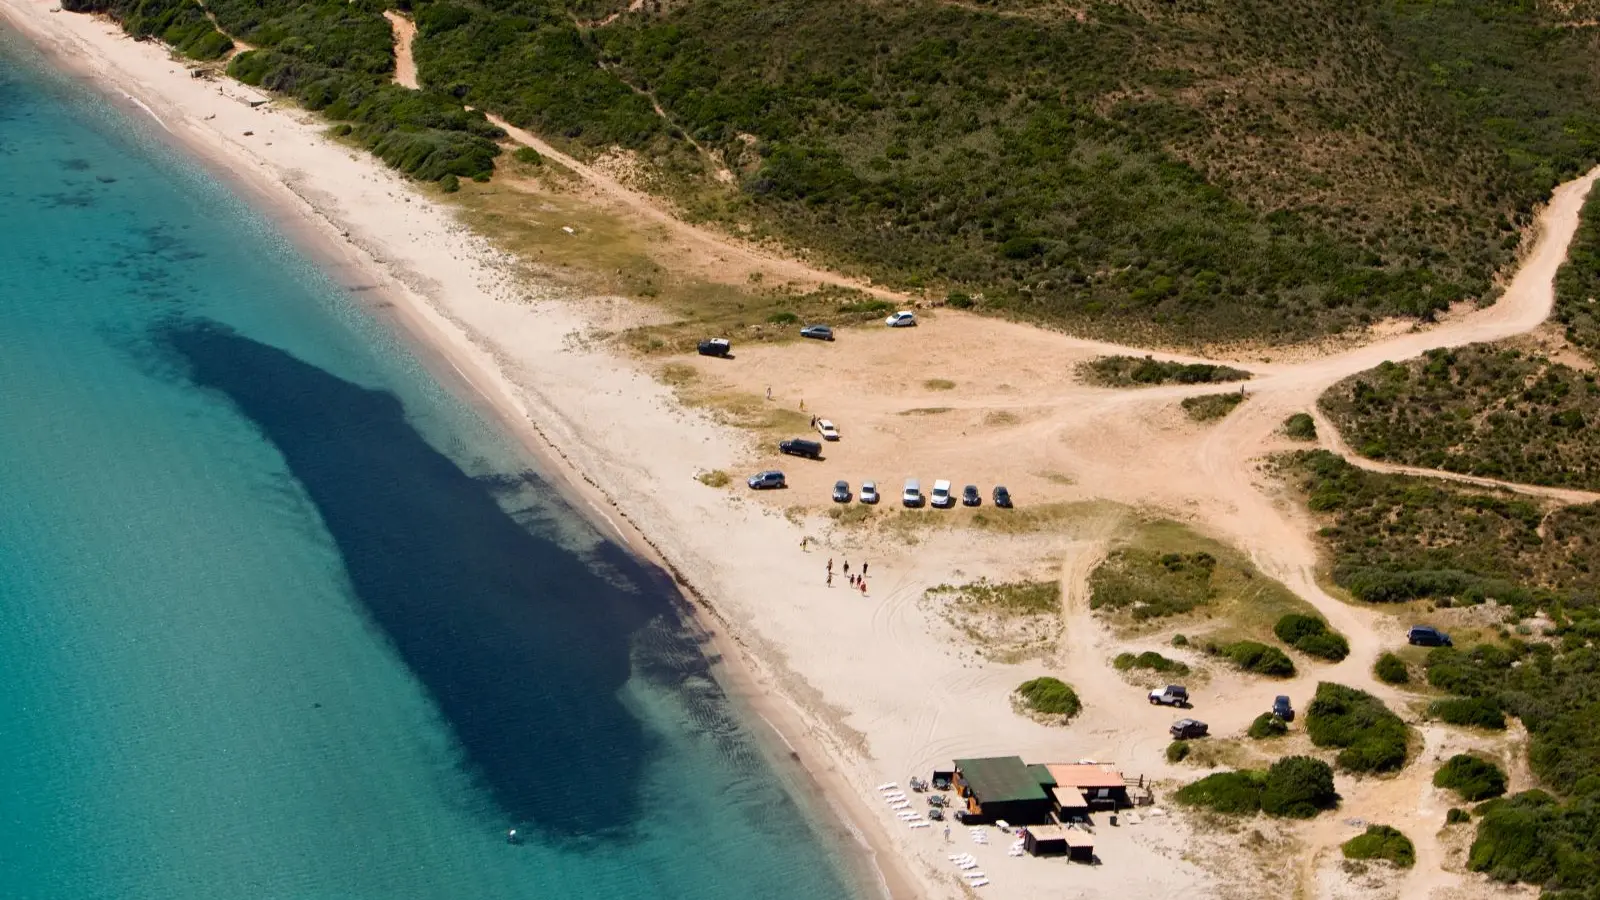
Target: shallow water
[[282, 617]]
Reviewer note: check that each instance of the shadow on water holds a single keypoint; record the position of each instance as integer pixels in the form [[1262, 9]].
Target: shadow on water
[[521, 644]]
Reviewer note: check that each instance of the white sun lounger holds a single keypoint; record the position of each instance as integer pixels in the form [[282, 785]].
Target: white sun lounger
[[888, 786], [955, 857], [919, 824], [978, 883], [966, 864], [974, 876]]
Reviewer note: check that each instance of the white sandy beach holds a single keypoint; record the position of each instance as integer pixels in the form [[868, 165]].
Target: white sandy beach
[[867, 689]]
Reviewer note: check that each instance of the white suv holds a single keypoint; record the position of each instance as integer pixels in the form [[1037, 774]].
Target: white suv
[[941, 495]]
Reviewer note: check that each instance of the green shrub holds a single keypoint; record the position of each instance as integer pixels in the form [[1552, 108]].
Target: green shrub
[[783, 317], [1129, 371], [528, 156], [1457, 815], [449, 184], [1267, 725], [1298, 787], [1391, 669], [1473, 778], [1211, 406], [1534, 839], [1479, 712], [1179, 640], [1382, 842], [1238, 793], [1177, 751], [1050, 696], [1300, 427], [1150, 585], [1310, 635], [1372, 737], [959, 300], [1252, 656], [1151, 660]]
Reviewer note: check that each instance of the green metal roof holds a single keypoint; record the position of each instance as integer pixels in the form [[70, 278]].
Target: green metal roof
[[1041, 775], [1000, 779]]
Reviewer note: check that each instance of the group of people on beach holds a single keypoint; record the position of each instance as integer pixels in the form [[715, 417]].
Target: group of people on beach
[[858, 580]]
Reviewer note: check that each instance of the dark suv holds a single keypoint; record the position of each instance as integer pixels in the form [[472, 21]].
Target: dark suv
[[1185, 729], [1428, 636], [1283, 709], [798, 447]]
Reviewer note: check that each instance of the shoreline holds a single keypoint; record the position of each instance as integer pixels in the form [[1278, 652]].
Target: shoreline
[[457, 358]]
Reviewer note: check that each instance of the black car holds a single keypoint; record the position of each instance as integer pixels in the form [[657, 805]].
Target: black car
[[1002, 497], [970, 496], [1184, 729], [817, 332], [715, 347], [1428, 636], [1283, 709], [799, 447], [841, 492]]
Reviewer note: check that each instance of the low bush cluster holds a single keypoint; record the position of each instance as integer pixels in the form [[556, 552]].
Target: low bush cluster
[[1300, 427], [1049, 696], [1129, 371], [1177, 751], [1473, 778], [1150, 585], [1372, 738], [1256, 657], [1534, 838], [1391, 669], [1266, 726], [1456, 815], [1151, 660], [1382, 842], [1295, 787], [1478, 712], [1211, 406], [1311, 635]]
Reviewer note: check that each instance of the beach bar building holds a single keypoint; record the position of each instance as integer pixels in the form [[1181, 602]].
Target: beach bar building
[[1002, 787], [1078, 787]]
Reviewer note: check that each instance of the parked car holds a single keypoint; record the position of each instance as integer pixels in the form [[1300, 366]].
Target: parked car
[[901, 319], [970, 496], [767, 480], [801, 447], [827, 430], [1283, 709], [1002, 497], [941, 498], [841, 492], [1428, 636], [912, 496], [869, 492], [1184, 729], [1171, 695], [817, 332], [715, 347]]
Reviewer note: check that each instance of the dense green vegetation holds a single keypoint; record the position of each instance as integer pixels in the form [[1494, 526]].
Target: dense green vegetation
[[1391, 669], [1578, 283], [1130, 371], [1211, 406], [1151, 660], [1372, 737], [1177, 751], [1295, 787], [1382, 842], [1300, 427], [181, 23], [1481, 410], [1309, 634], [1473, 778], [1266, 726], [1255, 657], [1536, 839], [1479, 712], [1394, 538], [1049, 696]]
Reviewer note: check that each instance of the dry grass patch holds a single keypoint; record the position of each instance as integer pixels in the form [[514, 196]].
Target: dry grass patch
[[939, 384], [1007, 622], [1001, 418]]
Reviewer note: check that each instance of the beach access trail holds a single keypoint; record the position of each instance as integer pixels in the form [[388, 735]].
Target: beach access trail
[[867, 689]]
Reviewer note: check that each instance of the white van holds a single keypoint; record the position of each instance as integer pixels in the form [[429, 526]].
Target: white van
[[941, 495], [913, 493]]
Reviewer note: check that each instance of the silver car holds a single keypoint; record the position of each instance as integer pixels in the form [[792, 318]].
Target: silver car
[[869, 492]]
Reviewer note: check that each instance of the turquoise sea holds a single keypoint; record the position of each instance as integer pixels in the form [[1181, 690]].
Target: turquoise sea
[[281, 617]]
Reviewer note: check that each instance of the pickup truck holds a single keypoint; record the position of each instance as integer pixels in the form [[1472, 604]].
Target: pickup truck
[[1171, 695]]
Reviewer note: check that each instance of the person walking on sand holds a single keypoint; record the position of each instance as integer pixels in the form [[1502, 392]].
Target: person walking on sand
[[847, 567], [830, 578], [769, 392], [864, 570], [863, 583], [830, 565]]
